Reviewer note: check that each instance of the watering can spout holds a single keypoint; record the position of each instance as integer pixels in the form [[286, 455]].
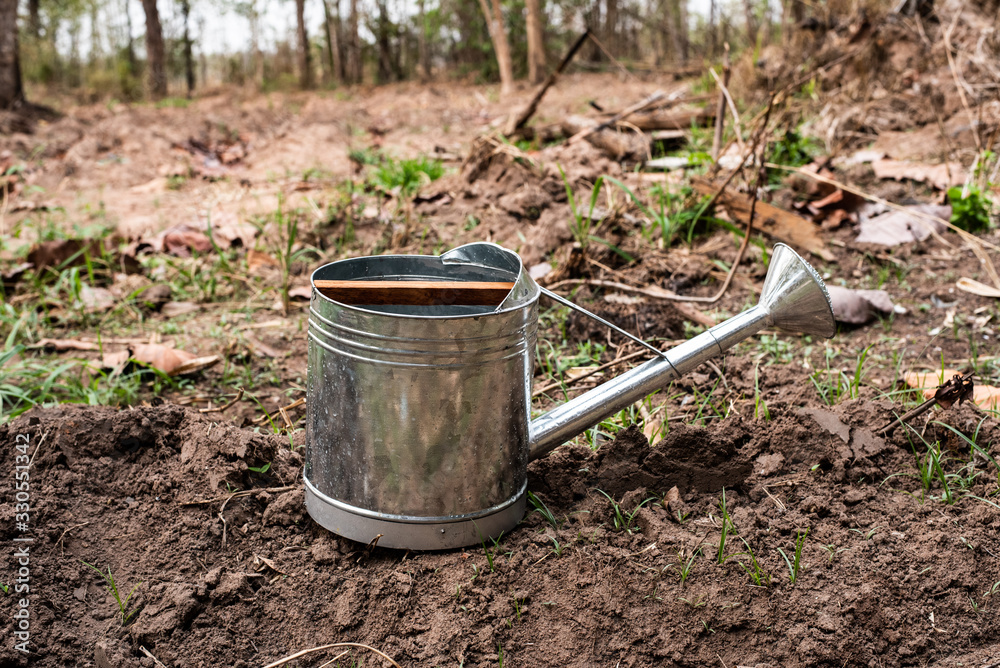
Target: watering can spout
[[793, 298]]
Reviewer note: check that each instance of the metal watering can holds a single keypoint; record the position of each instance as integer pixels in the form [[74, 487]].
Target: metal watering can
[[418, 429]]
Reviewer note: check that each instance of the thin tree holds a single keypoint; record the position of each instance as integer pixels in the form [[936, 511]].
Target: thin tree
[[536, 41], [423, 57], [494, 20], [354, 72], [154, 51], [188, 56], [333, 40], [11, 86], [305, 60]]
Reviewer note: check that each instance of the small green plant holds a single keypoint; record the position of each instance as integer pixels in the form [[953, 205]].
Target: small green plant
[[795, 564], [123, 604], [499, 655], [624, 521], [581, 224], [727, 529], [543, 510], [970, 208], [260, 470], [684, 565], [758, 575], [5, 587], [557, 549], [759, 407], [833, 551]]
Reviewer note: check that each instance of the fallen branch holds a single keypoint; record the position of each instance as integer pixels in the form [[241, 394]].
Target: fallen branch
[[219, 409], [624, 113], [246, 492], [959, 388], [517, 122]]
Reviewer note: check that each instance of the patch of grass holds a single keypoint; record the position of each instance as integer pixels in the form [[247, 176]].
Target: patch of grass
[[123, 604], [684, 566], [727, 528], [795, 564], [29, 382], [758, 575], [624, 520], [543, 510], [408, 175], [582, 223]]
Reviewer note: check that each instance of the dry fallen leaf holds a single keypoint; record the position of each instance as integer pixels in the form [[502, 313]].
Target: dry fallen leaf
[[856, 307], [941, 176], [257, 259], [96, 300], [171, 361], [173, 309], [898, 227], [977, 288], [984, 396]]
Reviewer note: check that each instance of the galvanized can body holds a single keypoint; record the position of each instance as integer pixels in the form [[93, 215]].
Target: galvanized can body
[[417, 416]]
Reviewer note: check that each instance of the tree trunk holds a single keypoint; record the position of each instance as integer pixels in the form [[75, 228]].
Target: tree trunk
[[129, 43], [711, 38], [305, 61], [34, 23], [154, 51], [753, 28], [498, 35], [536, 41], [385, 67], [423, 57], [188, 56], [333, 40], [354, 64], [11, 87], [611, 27]]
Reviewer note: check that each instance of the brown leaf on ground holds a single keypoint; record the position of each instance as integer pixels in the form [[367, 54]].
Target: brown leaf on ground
[[303, 292], [115, 360], [977, 288], [984, 396], [69, 252], [14, 274], [228, 230], [96, 300], [899, 227], [941, 176], [856, 307], [262, 349], [257, 259], [171, 361], [782, 225], [173, 309], [61, 345]]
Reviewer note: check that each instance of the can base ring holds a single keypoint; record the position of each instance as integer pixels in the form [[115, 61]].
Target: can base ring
[[415, 534]]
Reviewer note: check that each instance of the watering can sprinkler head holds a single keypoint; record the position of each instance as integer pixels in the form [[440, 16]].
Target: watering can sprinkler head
[[793, 298]]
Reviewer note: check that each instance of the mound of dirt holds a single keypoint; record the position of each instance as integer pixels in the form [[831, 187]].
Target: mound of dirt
[[889, 576], [517, 199]]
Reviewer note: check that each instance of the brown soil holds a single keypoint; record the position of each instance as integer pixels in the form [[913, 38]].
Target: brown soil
[[245, 582]]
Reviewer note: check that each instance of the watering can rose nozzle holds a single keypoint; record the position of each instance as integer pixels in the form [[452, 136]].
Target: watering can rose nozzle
[[793, 298]]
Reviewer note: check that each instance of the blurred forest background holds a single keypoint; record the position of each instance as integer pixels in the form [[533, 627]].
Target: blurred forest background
[[150, 49]]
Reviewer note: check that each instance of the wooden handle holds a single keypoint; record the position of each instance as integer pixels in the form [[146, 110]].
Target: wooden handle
[[415, 293]]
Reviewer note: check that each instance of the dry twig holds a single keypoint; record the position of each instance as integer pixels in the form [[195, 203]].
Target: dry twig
[[305, 652]]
